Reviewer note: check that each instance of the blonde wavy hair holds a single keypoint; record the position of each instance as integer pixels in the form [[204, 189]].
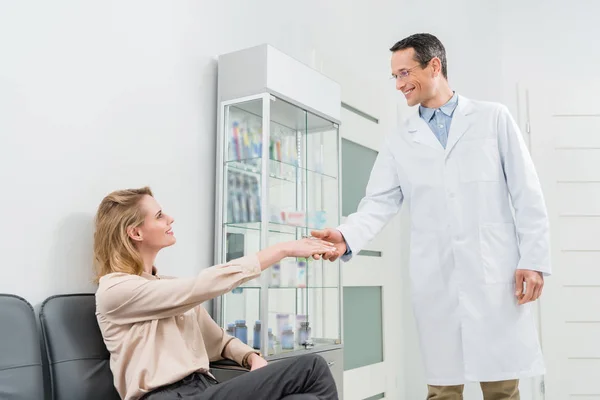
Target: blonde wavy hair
[[114, 250]]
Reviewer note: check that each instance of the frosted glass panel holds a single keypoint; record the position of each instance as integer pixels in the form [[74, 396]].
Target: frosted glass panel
[[363, 326], [357, 163]]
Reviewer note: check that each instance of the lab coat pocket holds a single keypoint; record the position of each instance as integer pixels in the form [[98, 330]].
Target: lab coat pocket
[[479, 160], [499, 252]]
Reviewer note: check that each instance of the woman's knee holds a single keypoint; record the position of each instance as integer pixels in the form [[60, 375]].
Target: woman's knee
[[313, 360]]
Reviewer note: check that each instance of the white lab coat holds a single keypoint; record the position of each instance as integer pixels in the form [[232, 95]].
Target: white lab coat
[[465, 242]]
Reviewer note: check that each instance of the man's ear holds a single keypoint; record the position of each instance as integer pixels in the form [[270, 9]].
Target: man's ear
[[436, 66], [134, 233]]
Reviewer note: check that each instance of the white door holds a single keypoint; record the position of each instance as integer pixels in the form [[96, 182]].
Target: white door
[[565, 145], [375, 272]]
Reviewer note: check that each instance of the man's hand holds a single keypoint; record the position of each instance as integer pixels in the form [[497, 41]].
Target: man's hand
[[336, 238], [534, 283], [256, 362]]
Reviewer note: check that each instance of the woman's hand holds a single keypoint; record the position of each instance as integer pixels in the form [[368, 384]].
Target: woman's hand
[[335, 238], [298, 248], [309, 246], [256, 362]]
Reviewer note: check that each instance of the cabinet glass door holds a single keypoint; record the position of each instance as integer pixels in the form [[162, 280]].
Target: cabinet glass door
[[323, 208], [242, 181], [288, 216], [299, 298]]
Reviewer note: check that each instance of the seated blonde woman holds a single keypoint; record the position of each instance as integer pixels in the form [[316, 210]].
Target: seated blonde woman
[[160, 338]]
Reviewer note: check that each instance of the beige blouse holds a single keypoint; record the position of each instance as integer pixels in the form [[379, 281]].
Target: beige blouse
[[156, 330]]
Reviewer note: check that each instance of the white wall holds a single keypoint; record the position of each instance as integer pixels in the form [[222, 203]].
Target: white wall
[[97, 96], [551, 41]]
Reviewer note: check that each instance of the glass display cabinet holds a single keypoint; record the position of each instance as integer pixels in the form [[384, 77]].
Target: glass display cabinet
[[278, 177]]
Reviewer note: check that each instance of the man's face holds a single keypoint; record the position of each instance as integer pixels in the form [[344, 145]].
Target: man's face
[[417, 83]]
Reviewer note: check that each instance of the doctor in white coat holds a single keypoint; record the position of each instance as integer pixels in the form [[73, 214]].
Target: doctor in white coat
[[462, 167]]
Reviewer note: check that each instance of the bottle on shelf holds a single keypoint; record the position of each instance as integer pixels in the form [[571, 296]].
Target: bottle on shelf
[[301, 269], [232, 199], [256, 338], [287, 338], [245, 139], [251, 205], [278, 149], [317, 219], [276, 275], [296, 218], [275, 214], [253, 193], [271, 341], [304, 333], [235, 145], [282, 321], [241, 330], [241, 198], [290, 272], [231, 329], [300, 319], [255, 139]]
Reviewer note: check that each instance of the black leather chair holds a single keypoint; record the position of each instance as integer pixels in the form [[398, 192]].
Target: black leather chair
[[77, 357], [21, 376]]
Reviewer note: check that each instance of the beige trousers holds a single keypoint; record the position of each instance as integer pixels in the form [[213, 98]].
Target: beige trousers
[[502, 390]]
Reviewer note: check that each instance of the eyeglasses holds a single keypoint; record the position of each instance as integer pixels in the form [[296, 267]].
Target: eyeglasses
[[405, 72]]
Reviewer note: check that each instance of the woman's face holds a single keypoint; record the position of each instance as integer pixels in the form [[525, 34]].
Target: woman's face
[[155, 232]]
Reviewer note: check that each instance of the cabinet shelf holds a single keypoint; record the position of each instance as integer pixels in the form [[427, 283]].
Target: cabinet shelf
[[279, 170], [274, 227], [310, 287]]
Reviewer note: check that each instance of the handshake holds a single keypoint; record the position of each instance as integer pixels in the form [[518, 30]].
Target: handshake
[[326, 244], [334, 237]]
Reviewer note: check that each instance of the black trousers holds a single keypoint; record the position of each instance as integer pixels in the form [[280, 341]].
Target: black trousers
[[300, 378]]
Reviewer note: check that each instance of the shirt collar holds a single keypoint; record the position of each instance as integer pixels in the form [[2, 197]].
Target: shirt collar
[[448, 109], [154, 274]]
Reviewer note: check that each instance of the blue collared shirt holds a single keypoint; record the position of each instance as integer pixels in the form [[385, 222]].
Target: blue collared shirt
[[439, 119]]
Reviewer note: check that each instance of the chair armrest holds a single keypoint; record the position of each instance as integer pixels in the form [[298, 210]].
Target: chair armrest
[[226, 364], [224, 370]]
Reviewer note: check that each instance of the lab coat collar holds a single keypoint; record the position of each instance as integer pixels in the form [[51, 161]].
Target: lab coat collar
[[461, 121]]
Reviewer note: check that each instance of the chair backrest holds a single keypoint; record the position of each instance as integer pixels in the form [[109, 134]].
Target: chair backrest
[[21, 376], [77, 356]]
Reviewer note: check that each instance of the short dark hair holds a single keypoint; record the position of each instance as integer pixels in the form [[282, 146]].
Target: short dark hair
[[426, 47]]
